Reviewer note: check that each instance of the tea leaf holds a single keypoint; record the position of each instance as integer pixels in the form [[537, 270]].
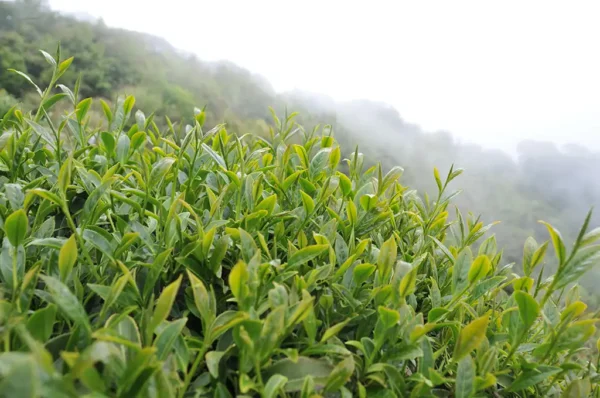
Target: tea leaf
[[340, 375], [164, 304], [479, 269], [67, 258], [66, 301], [465, 378], [533, 376], [303, 256], [15, 227], [529, 309], [274, 386], [470, 337]]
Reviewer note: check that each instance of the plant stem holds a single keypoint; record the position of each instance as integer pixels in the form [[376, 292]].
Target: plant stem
[[192, 372], [15, 298]]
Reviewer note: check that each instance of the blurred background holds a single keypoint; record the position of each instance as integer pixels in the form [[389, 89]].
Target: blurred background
[[509, 91]]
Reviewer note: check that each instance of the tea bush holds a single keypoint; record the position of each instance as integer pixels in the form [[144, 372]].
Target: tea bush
[[175, 262]]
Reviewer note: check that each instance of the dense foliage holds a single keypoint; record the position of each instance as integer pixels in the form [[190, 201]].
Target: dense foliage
[[540, 182], [140, 261]]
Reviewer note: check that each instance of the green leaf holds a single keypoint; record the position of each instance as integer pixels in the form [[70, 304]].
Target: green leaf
[[15, 196], [267, 204], [533, 376], [107, 112], [49, 103], [238, 280], [591, 237], [274, 386], [297, 371], [387, 258], [134, 376], [41, 323], [137, 140], [538, 255], [248, 244], [334, 157], [362, 272], [529, 309], [47, 195], [128, 104], [479, 269], [351, 212], [557, 242], [368, 202], [334, 330], [64, 176], [109, 142], [122, 151], [213, 358], [408, 283], [345, 184], [15, 227], [82, 109], [465, 378], [44, 133], [530, 247], [160, 169], [67, 258], [303, 256], [24, 76], [66, 301], [292, 178], [460, 272], [470, 337], [167, 337], [49, 58], [340, 374], [584, 260], [215, 156], [307, 201], [202, 299], [64, 65], [577, 389], [438, 180], [224, 322], [164, 304], [19, 375], [388, 317]]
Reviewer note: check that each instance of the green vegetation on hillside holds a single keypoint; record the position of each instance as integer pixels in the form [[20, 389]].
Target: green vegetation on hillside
[[146, 262], [545, 182]]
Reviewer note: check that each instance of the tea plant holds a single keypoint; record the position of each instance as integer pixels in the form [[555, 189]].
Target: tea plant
[[176, 262]]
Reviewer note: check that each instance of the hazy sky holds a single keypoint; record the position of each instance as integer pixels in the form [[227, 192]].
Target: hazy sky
[[491, 73]]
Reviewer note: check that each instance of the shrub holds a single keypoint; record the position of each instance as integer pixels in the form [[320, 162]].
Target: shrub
[[7, 101], [194, 262]]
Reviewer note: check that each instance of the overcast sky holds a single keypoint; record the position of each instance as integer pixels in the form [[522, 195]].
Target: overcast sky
[[490, 73]]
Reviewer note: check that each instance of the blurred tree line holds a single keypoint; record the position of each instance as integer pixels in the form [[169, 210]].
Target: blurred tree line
[[542, 181]]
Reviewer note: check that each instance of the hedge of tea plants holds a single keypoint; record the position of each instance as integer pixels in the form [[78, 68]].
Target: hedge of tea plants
[[143, 259]]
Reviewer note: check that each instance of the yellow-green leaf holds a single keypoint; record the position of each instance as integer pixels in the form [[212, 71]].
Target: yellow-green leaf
[[15, 227], [407, 283], [303, 256], [238, 279], [67, 258], [470, 337], [164, 304], [479, 269], [557, 242], [308, 202], [334, 330], [529, 309]]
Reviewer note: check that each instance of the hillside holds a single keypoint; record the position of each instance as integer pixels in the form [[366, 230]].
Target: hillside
[[543, 182]]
